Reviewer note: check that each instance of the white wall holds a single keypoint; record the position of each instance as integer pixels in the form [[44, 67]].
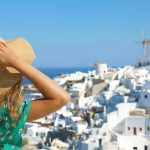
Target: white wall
[[101, 69], [129, 83], [124, 109], [135, 123], [113, 84], [128, 142], [146, 86], [112, 119], [144, 100]]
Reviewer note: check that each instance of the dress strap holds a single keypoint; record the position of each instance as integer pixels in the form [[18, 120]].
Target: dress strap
[[25, 112]]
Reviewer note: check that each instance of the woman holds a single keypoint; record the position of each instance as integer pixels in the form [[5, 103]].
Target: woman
[[14, 112]]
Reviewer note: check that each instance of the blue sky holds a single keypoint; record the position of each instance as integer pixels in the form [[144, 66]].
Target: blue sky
[[69, 33]]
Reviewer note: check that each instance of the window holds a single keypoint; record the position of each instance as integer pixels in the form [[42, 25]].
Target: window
[[145, 96], [140, 129], [77, 102], [128, 128], [134, 148], [136, 99], [36, 133], [148, 128]]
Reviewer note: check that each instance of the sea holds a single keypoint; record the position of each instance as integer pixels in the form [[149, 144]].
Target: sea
[[53, 72]]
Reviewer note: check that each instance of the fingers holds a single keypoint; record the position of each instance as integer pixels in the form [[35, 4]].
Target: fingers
[[2, 44], [1, 47]]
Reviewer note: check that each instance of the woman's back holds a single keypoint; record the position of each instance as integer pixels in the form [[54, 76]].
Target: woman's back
[[10, 136]]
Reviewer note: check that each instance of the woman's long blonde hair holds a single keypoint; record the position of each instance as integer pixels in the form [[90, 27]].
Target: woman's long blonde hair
[[13, 98]]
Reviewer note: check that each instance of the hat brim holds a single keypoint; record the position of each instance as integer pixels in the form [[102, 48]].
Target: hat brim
[[9, 75], [8, 79]]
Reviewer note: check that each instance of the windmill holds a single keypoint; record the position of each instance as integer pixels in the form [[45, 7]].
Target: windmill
[[146, 49]]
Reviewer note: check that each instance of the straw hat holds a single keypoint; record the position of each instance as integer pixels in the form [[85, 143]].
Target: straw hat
[[9, 75]]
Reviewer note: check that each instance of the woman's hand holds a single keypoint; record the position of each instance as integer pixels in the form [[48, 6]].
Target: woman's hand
[[7, 55]]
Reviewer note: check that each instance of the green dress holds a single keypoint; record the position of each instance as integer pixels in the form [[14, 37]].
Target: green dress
[[10, 136]]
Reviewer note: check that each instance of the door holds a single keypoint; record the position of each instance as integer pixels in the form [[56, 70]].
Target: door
[[134, 130]]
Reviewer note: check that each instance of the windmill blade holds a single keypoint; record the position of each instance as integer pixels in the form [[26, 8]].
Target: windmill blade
[[145, 50], [137, 42], [143, 43], [143, 35]]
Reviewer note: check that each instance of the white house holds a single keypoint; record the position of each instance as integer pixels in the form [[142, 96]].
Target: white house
[[144, 100]]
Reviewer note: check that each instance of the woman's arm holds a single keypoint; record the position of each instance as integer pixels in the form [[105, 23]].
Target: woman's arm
[[54, 95], [45, 85]]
